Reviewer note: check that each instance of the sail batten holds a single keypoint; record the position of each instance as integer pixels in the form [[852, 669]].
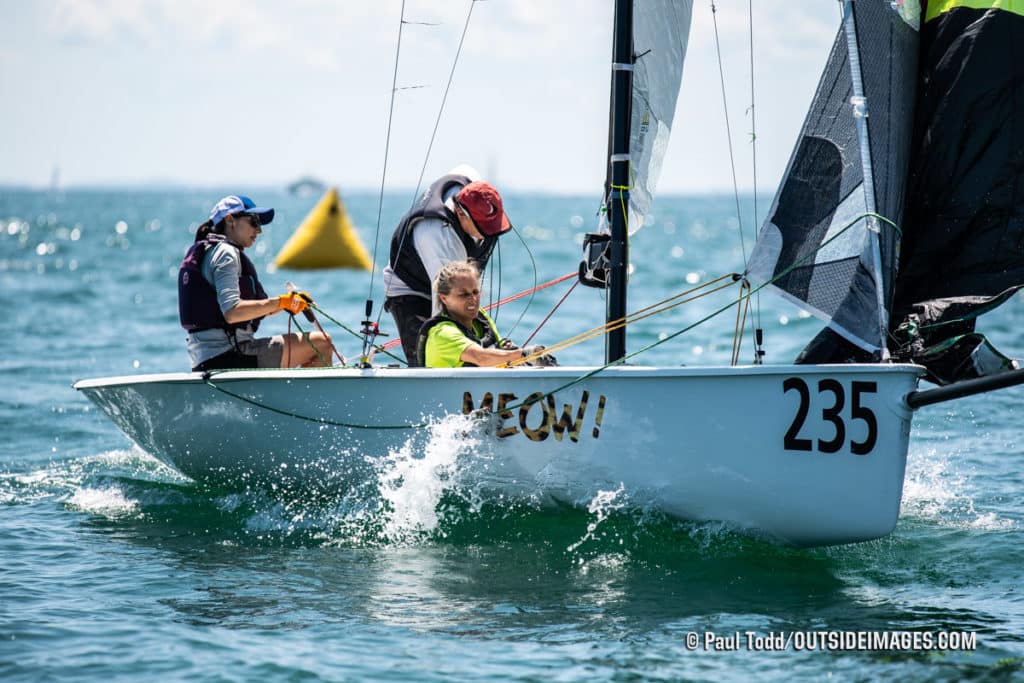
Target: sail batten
[[661, 30]]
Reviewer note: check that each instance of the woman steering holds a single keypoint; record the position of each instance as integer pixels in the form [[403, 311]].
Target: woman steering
[[463, 335]]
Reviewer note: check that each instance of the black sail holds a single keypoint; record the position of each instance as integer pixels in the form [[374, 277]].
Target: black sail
[[963, 231], [819, 246]]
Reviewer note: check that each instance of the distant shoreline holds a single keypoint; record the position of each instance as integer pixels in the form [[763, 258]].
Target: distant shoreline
[[282, 189]]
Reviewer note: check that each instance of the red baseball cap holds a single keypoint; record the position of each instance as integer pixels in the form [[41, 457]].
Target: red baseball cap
[[483, 203]]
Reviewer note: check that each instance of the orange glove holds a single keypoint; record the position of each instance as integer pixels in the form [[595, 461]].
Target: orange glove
[[294, 302]]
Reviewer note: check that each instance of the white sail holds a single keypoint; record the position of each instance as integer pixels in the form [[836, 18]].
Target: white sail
[[661, 30]]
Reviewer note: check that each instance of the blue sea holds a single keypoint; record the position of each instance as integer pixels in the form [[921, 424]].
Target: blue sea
[[115, 567]]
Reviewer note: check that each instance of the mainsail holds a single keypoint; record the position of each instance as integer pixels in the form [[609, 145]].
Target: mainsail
[[660, 32], [831, 237], [963, 242], [661, 29]]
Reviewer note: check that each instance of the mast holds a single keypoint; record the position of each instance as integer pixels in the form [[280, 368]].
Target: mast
[[618, 188]]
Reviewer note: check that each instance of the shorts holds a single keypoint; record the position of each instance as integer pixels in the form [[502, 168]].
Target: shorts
[[268, 350], [264, 352]]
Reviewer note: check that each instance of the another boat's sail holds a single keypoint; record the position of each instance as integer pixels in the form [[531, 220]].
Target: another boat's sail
[[963, 241], [661, 29], [821, 244]]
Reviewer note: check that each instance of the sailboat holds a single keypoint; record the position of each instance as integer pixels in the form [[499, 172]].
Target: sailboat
[[822, 459]]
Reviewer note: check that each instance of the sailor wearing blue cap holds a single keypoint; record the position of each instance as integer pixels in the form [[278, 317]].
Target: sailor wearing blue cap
[[221, 301]]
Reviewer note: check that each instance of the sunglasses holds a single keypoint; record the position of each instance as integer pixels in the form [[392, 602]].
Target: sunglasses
[[253, 218]]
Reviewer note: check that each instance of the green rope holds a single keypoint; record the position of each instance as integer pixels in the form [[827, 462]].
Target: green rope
[[305, 335], [317, 420], [355, 334]]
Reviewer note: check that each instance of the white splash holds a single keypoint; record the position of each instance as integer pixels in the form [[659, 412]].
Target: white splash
[[601, 505], [110, 502], [935, 490], [930, 490], [414, 479]]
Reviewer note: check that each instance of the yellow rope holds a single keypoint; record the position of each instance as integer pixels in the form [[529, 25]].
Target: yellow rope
[[634, 317], [622, 201], [641, 314], [737, 335]]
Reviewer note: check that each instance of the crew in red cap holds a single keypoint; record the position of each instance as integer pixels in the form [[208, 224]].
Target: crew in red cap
[[458, 217]]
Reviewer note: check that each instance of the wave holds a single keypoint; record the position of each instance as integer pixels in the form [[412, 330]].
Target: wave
[[433, 494], [937, 491]]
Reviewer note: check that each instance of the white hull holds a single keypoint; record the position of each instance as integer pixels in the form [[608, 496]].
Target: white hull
[[698, 443]]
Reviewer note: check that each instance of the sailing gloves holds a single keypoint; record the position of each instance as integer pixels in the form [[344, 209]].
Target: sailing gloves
[[294, 302], [544, 360]]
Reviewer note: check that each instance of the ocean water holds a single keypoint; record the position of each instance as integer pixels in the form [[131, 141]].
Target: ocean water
[[115, 567]]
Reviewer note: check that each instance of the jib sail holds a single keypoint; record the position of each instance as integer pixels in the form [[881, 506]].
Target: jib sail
[[831, 237]]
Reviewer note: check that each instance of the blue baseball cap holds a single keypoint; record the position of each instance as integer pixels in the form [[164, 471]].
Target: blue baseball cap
[[236, 203]]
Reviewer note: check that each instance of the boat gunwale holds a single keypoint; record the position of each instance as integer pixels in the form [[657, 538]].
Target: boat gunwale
[[561, 372]]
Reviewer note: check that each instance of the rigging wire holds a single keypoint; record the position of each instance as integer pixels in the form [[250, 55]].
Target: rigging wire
[[437, 123], [622, 361], [550, 313], [758, 351], [641, 314], [444, 100], [387, 147], [532, 291], [490, 279], [489, 307], [383, 348], [728, 135], [529, 292]]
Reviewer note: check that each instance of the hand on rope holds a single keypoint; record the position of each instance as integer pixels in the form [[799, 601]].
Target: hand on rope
[[294, 302], [535, 356]]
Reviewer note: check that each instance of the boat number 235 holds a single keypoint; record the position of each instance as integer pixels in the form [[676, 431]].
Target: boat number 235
[[832, 396]]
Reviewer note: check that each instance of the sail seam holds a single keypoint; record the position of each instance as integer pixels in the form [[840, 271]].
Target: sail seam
[[859, 101]]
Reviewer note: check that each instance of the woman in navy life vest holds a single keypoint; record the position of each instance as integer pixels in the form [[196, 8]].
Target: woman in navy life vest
[[221, 301]]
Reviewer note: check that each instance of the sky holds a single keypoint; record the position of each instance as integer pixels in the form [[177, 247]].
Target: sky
[[260, 93]]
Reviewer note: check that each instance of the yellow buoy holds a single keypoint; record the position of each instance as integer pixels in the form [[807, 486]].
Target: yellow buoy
[[325, 239]]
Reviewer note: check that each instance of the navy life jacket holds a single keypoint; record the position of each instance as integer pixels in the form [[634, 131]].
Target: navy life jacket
[[405, 261], [197, 299], [489, 338]]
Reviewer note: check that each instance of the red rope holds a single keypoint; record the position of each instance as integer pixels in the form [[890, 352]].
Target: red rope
[[548, 316], [550, 283], [288, 359], [520, 295]]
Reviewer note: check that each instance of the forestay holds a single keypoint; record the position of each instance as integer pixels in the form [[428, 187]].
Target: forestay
[[819, 244]]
